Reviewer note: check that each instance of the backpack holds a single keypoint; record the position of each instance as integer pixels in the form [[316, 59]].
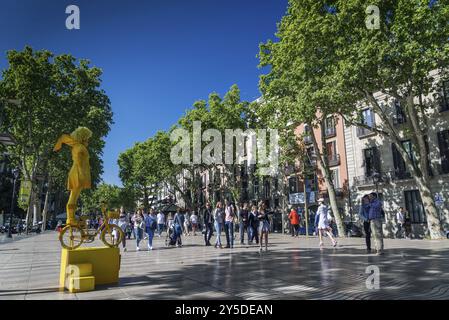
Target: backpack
[[153, 224]]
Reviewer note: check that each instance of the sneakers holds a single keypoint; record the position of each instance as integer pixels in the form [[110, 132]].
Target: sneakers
[[334, 243], [137, 249], [150, 248], [124, 249]]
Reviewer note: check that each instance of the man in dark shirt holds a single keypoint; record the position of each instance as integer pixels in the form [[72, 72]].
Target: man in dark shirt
[[208, 222], [243, 221]]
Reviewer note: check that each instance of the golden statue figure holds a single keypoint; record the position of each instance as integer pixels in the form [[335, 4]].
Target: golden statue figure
[[76, 232], [79, 175]]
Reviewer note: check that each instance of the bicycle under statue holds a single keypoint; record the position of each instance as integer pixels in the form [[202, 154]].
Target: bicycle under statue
[[73, 236]]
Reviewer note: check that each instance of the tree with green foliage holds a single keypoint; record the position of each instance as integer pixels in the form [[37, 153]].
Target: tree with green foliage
[[56, 94], [295, 89]]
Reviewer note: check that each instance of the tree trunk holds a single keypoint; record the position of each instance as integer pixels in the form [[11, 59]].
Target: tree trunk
[[324, 164], [420, 172], [45, 211]]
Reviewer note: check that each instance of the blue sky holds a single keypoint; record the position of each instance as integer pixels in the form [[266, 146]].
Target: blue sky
[[157, 56]]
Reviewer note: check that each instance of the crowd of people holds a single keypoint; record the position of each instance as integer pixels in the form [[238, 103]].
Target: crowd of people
[[252, 223]]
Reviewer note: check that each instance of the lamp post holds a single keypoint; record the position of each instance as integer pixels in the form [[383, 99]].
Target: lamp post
[[15, 173], [376, 178]]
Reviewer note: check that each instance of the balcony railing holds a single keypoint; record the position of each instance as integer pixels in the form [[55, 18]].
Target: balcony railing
[[363, 132], [334, 160], [370, 180], [330, 132]]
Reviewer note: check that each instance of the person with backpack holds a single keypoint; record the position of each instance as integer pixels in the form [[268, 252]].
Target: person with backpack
[[150, 226], [139, 227]]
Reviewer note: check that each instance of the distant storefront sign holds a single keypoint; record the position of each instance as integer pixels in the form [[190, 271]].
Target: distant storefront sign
[[25, 192], [298, 198]]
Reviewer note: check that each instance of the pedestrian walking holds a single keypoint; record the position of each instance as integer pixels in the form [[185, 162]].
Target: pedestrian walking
[[253, 225], [160, 223], [124, 225], [208, 222], [322, 223], [264, 225], [375, 217], [229, 224], [139, 227], [150, 227], [294, 222], [364, 215], [219, 219], [194, 222], [243, 218], [187, 224], [177, 227], [400, 217], [408, 224]]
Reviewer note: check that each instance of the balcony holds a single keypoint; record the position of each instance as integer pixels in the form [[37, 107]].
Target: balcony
[[330, 132], [364, 132], [400, 175], [334, 160], [364, 181]]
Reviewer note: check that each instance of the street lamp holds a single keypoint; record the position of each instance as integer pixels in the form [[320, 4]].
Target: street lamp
[[376, 179], [15, 173]]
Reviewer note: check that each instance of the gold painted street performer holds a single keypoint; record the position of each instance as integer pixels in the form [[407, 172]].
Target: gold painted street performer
[[79, 175]]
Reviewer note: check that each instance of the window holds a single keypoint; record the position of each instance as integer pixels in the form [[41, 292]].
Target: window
[[267, 189], [414, 206], [336, 178], [307, 134], [332, 156], [293, 185], [444, 106], [368, 120], [399, 113], [330, 129], [311, 156], [443, 143], [400, 168], [372, 161], [256, 186]]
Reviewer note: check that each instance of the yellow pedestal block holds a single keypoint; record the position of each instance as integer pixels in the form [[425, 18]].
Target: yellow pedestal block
[[103, 264], [81, 284]]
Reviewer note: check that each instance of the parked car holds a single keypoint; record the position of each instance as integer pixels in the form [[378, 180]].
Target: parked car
[[447, 234]]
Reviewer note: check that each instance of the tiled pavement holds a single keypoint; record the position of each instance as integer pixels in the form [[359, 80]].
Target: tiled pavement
[[292, 268]]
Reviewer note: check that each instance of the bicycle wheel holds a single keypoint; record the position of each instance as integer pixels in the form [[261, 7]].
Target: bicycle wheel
[[112, 235], [71, 237]]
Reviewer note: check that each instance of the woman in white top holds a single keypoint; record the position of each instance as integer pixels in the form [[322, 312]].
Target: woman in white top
[[187, 224], [194, 221], [324, 223]]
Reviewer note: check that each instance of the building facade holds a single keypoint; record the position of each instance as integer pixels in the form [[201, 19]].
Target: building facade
[[375, 165]]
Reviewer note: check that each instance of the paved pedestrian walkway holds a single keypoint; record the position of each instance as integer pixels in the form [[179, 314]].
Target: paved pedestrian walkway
[[292, 268]]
